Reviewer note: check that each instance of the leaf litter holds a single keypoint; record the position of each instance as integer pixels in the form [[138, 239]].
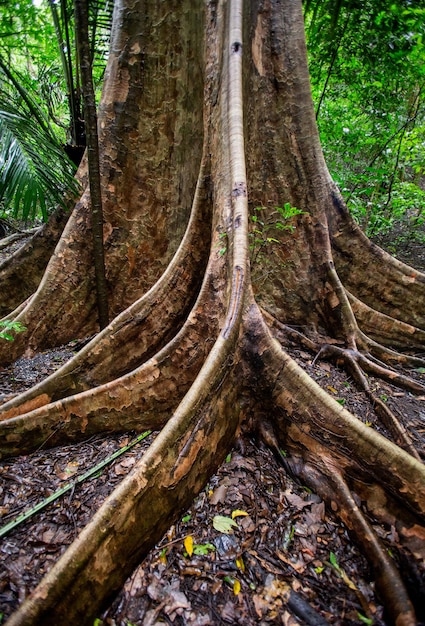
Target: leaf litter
[[286, 561]]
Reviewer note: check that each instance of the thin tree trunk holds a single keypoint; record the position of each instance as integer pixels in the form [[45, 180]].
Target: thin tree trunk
[[81, 21]]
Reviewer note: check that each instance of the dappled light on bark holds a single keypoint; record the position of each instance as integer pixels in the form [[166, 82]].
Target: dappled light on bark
[[222, 123]]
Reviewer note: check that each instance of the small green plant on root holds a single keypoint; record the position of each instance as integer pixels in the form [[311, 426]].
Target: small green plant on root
[[281, 218], [7, 327]]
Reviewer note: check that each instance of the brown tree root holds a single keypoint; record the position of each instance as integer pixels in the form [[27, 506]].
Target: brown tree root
[[355, 363], [245, 366], [372, 275], [147, 325], [16, 236], [342, 311], [304, 421], [386, 355], [174, 469], [328, 482], [168, 302], [138, 400], [135, 516], [385, 329], [20, 274], [328, 438]]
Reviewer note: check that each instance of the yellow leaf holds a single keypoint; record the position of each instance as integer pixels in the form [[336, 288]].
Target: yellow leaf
[[238, 513], [240, 564], [332, 389], [236, 587], [188, 544]]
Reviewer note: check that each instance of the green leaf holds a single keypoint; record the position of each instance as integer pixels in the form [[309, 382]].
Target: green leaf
[[224, 524], [10, 325], [202, 549], [332, 560], [35, 173]]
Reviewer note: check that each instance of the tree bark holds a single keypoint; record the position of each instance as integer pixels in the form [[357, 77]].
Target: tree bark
[[21, 272], [90, 115], [200, 352]]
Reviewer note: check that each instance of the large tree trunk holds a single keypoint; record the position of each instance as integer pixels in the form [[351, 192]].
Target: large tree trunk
[[222, 122]]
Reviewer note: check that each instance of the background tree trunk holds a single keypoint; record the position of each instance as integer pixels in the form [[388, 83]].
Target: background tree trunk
[[82, 28]]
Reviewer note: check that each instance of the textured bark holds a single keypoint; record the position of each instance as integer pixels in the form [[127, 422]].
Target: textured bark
[[90, 118], [20, 274], [198, 352]]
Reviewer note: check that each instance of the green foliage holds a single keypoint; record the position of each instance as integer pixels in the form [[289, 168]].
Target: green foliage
[[7, 327], [202, 549], [40, 102], [266, 223], [366, 64], [34, 170]]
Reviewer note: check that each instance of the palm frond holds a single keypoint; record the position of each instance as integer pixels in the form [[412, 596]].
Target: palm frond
[[35, 173]]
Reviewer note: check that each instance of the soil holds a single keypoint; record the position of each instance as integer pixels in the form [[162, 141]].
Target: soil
[[283, 538]]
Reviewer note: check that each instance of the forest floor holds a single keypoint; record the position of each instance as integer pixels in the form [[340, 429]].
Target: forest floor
[[284, 538]]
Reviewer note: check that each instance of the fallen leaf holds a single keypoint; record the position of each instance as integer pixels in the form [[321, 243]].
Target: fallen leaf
[[219, 495], [296, 501], [240, 564], [238, 513], [224, 524], [188, 544]]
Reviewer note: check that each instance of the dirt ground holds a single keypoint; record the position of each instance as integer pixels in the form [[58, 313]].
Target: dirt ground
[[286, 561]]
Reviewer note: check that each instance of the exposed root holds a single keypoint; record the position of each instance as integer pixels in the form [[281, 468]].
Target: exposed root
[[385, 329], [147, 325], [21, 272], [311, 417], [353, 336], [16, 236], [206, 384], [328, 482], [139, 511], [356, 363], [167, 302], [330, 447], [138, 400], [372, 275], [287, 335]]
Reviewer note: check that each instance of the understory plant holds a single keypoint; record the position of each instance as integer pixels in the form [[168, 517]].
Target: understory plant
[[7, 327]]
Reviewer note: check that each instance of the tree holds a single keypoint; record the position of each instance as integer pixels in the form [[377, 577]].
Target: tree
[[34, 170], [83, 46], [355, 50], [197, 347]]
